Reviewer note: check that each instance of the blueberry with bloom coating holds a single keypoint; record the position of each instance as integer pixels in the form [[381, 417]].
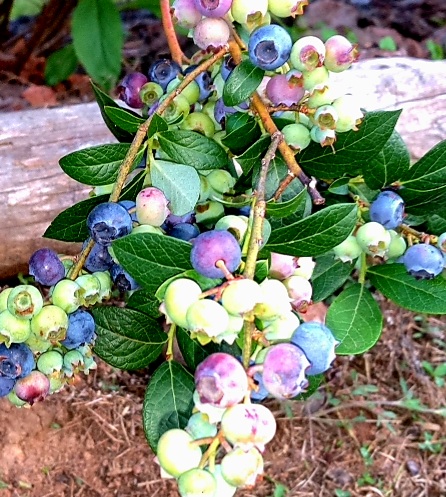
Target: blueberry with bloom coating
[[318, 344], [81, 329], [163, 71], [128, 89], [33, 388], [185, 13], [6, 385], [423, 261], [46, 267], [211, 247], [176, 454], [284, 370], [213, 8], [151, 206], [269, 47], [197, 482], [211, 33], [387, 209], [99, 258], [16, 361], [122, 279], [184, 231], [220, 380], [107, 222]]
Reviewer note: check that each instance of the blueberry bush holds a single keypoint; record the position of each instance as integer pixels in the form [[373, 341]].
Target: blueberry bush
[[241, 191]]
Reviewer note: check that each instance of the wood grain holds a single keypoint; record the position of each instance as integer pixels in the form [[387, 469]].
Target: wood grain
[[33, 189]]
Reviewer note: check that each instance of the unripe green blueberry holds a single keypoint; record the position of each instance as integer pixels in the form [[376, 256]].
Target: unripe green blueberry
[[50, 362], [348, 250], [248, 11], [145, 228], [305, 267], [199, 426], [320, 96], [15, 401], [248, 425], [72, 361], [208, 213], [25, 302], [177, 110], [13, 329], [325, 137], [232, 331], [281, 328], [207, 317], [236, 225], [297, 136], [275, 301], [307, 53], [200, 122], [205, 189], [317, 78], [106, 284], [4, 298], [325, 117], [240, 296], [91, 289], [176, 454], [441, 244], [50, 324], [240, 468], [287, 8], [191, 92], [197, 483], [397, 245], [179, 296], [373, 239], [67, 295], [57, 382], [220, 181], [150, 93], [349, 112]]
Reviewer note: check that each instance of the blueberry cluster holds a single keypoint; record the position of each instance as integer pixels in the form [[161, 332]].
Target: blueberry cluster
[[382, 237]]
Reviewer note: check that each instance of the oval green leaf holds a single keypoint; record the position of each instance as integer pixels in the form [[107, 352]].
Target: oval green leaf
[[242, 83]]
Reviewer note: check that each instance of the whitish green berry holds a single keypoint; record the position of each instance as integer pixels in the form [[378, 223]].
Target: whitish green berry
[[67, 295], [207, 317], [240, 296], [176, 454], [348, 250], [13, 329], [25, 301], [275, 301], [373, 239], [179, 296]]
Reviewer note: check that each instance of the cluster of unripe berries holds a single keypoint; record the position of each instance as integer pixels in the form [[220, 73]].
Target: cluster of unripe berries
[[384, 238], [297, 75]]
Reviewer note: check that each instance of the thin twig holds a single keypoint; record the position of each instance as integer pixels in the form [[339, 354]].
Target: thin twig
[[169, 30]]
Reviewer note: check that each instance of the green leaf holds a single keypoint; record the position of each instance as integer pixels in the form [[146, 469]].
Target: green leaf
[[156, 125], [124, 119], [70, 225], [241, 131], [242, 83], [131, 190], [127, 339], [60, 64], [193, 149], [314, 382], [353, 150], [168, 401], [151, 259], [254, 154], [98, 39], [192, 351], [180, 184], [103, 101], [355, 319], [424, 184], [339, 186], [425, 296], [315, 234], [437, 223], [389, 164], [144, 301], [284, 209], [97, 165], [329, 274]]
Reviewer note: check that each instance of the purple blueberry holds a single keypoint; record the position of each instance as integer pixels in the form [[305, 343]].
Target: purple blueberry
[[16, 361], [6, 385], [387, 209], [107, 222], [221, 111], [128, 89], [184, 231], [227, 67], [318, 344], [33, 388], [220, 380], [46, 267], [423, 261], [122, 279], [213, 8], [163, 71], [284, 370], [172, 220], [211, 247], [284, 89], [99, 258], [269, 47], [81, 329]]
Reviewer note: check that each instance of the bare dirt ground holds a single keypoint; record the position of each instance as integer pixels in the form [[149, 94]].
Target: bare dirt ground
[[376, 428]]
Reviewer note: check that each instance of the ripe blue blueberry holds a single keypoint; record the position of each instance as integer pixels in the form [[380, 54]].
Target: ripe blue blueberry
[[46, 267], [210, 248], [17, 361], [122, 279], [184, 231], [318, 344], [387, 209], [204, 81], [99, 258], [423, 261], [81, 329], [107, 222], [269, 47], [163, 71], [6, 385], [227, 67], [130, 205]]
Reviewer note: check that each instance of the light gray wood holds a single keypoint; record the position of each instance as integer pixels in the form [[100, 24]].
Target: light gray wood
[[33, 189]]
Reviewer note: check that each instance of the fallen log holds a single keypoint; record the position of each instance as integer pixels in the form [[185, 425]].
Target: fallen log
[[34, 189]]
